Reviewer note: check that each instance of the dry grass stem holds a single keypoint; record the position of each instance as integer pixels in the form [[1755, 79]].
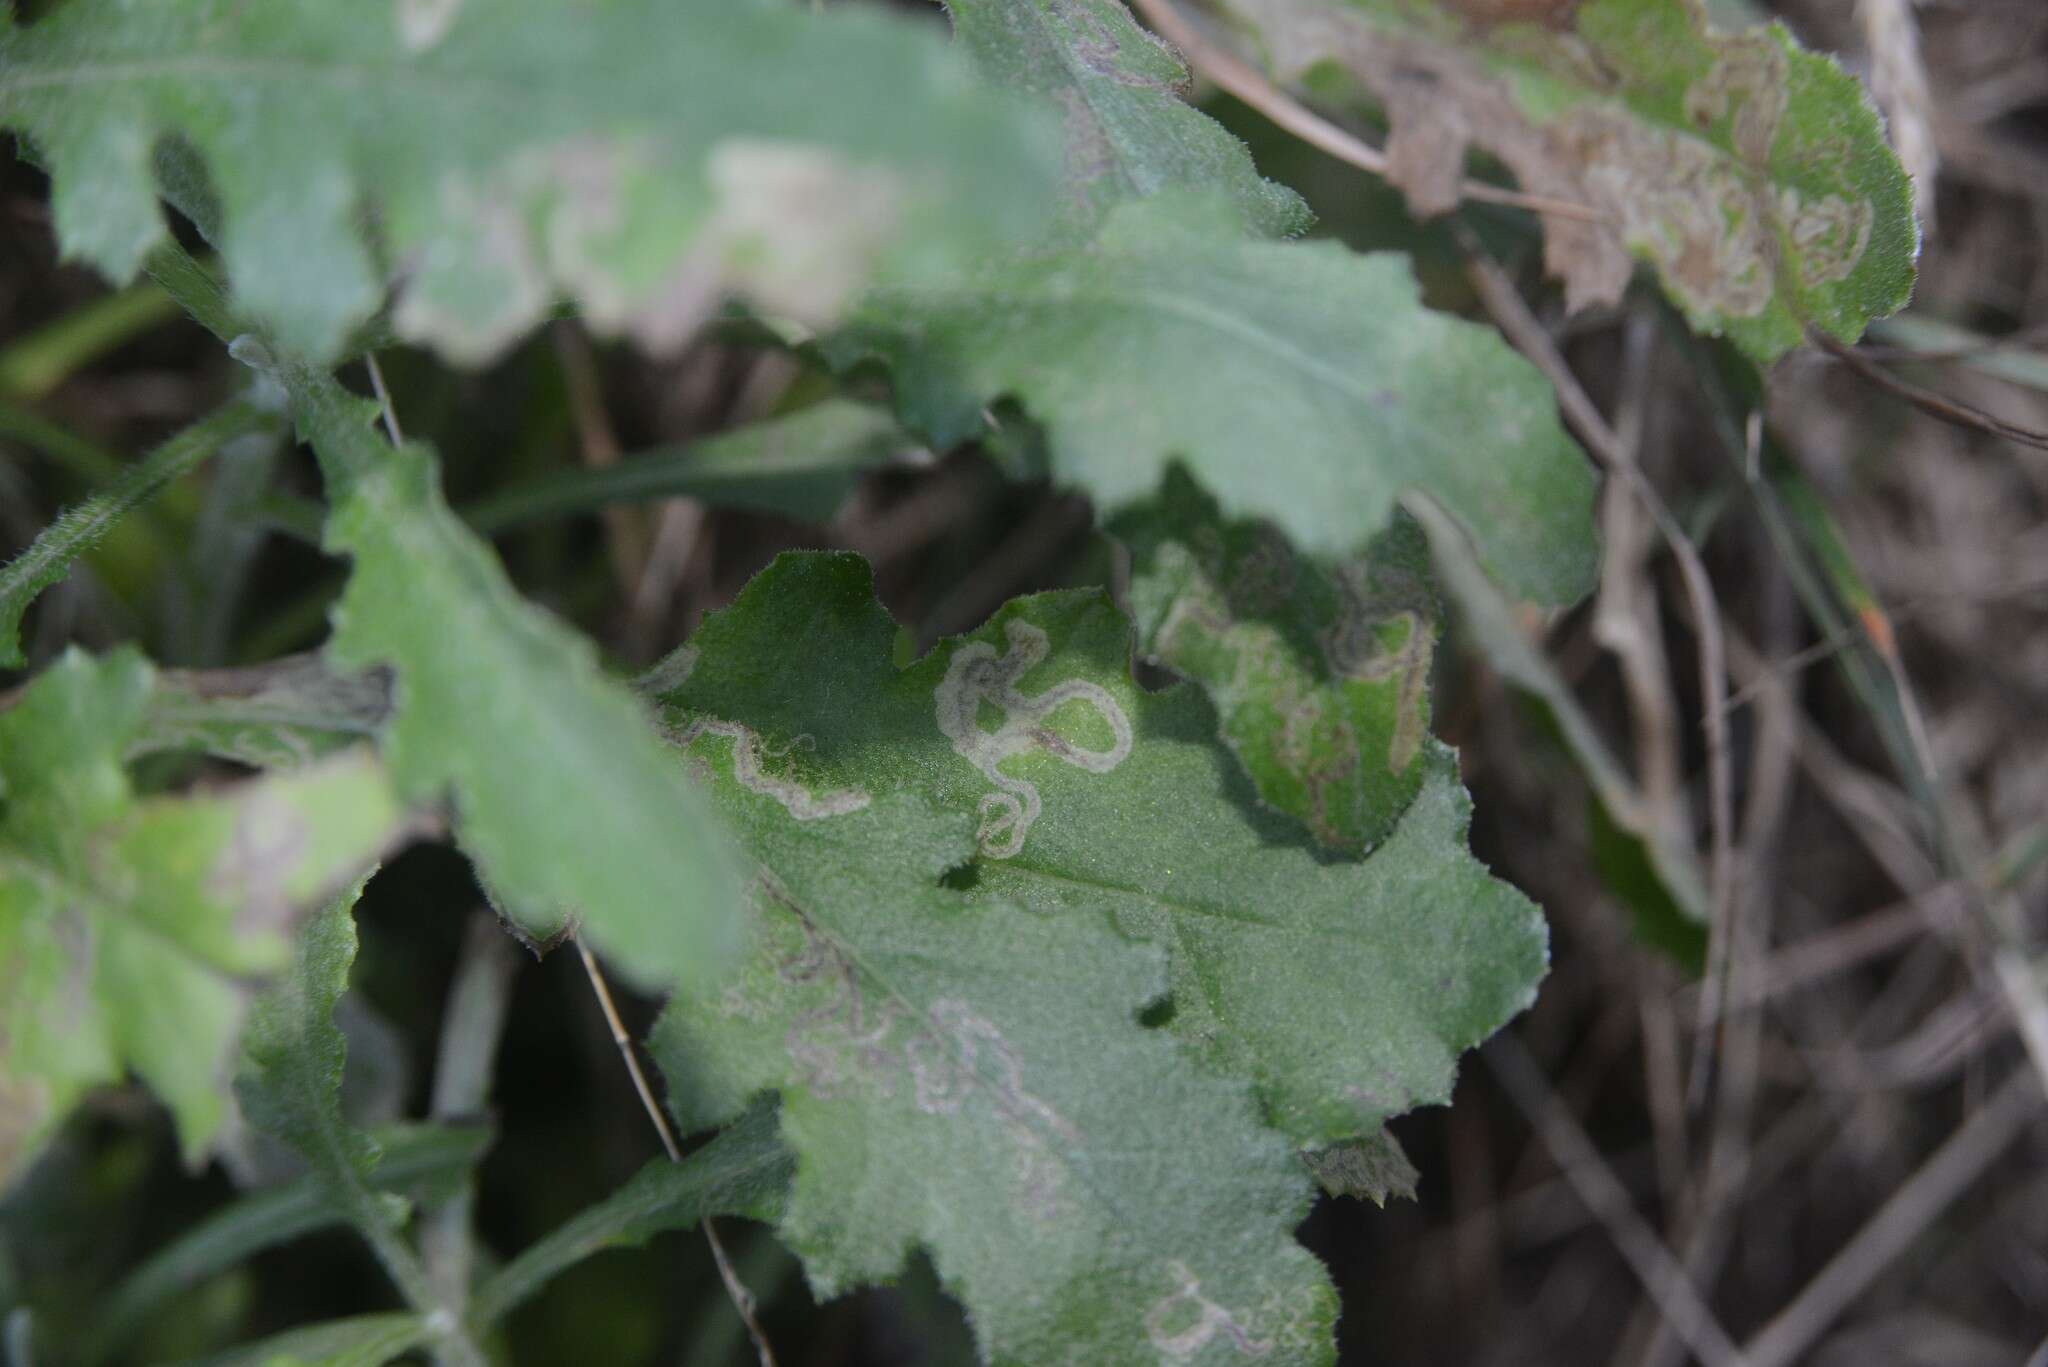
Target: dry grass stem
[[742, 1299]]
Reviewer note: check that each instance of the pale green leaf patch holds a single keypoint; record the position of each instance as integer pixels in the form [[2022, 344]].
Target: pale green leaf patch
[[131, 928], [642, 157]]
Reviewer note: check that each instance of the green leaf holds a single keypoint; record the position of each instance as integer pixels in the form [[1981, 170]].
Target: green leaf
[[1371, 1168], [411, 1158], [1118, 90], [957, 1058], [1299, 382], [801, 465], [48, 559], [563, 794], [1345, 988], [294, 1053], [129, 929], [934, 1093], [359, 1341], [745, 1171], [1319, 672], [640, 156], [1752, 174]]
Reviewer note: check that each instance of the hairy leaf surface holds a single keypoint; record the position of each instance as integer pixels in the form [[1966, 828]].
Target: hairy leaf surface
[[294, 1054], [1752, 174], [1300, 382], [1346, 989], [640, 156], [957, 1072], [961, 1077], [1118, 90], [1319, 672], [130, 928]]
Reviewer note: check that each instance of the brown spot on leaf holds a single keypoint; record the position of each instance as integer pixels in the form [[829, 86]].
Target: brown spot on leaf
[[1678, 199], [1748, 86]]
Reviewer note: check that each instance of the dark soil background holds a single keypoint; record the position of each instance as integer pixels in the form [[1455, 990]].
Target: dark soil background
[[1860, 1181]]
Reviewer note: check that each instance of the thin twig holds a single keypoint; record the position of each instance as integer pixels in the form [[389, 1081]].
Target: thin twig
[[1504, 302], [1828, 953], [1646, 1254], [391, 428], [1248, 85], [1898, 1223], [1709, 1215], [1625, 617], [1952, 411], [742, 1299]]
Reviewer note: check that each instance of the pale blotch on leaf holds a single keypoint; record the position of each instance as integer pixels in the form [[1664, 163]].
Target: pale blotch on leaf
[[954, 1057], [1694, 219], [1371, 1167], [254, 869], [670, 672], [423, 23], [796, 228], [1723, 159], [1354, 647], [799, 228], [474, 292], [1830, 233], [841, 1038], [1184, 1322], [1319, 670], [748, 754], [947, 1068], [1749, 84], [976, 675]]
